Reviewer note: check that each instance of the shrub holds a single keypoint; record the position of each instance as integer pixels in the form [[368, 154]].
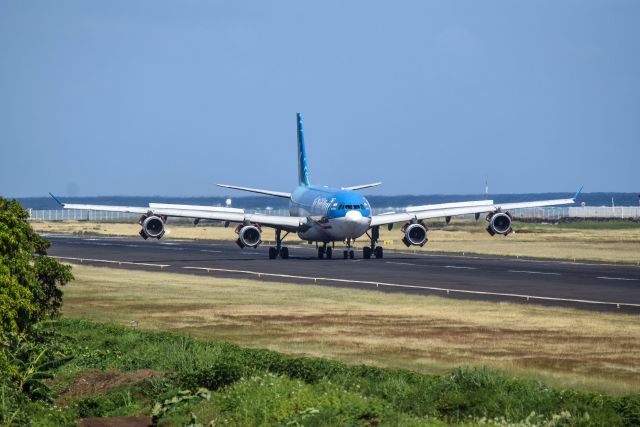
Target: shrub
[[214, 377]]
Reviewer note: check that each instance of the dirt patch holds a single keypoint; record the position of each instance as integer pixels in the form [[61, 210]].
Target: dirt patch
[[135, 421], [96, 381]]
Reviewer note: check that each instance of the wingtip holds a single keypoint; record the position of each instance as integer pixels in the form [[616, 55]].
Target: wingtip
[[575, 196], [56, 199]]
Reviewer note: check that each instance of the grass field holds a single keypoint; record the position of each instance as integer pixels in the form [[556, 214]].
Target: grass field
[[612, 242], [563, 347], [117, 376]]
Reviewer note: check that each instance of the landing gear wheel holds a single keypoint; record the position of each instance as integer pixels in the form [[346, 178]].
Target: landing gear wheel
[[366, 252], [284, 252], [320, 253], [329, 253], [351, 254], [346, 254], [378, 252], [273, 253]]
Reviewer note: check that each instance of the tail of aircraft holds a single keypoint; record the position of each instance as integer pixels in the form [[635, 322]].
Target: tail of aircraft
[[303, 173]]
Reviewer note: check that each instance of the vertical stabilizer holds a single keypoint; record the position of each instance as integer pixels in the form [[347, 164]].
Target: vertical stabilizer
[[303, 173]]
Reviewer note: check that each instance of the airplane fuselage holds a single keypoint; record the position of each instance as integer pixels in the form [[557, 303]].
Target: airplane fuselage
[[336, 214]]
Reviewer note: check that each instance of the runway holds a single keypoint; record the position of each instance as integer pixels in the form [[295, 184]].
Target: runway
[[602, 287]]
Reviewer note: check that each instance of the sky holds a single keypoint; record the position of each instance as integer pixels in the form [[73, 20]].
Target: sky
[[169, 98]]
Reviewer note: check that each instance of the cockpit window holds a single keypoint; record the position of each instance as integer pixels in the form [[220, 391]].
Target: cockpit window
[[353, 207]]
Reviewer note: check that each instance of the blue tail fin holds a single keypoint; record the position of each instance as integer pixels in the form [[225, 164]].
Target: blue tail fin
[[303, 173]]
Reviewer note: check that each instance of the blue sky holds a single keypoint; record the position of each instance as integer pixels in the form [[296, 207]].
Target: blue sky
[[168, 98]]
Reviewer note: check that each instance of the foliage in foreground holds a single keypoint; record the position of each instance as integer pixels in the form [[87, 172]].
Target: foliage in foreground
[[29, 281], [30, 291], [204, 381]]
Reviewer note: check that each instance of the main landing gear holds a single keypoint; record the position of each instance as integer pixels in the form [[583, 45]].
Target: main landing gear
[[374, 250], [283, 251]]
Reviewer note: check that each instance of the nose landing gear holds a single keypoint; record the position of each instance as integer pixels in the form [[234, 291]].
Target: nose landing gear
[[348, 253], [325, 250]]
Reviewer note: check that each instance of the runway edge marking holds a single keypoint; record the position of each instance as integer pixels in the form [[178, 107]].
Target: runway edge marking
[[108, 261], [397, 285], [361, 282]]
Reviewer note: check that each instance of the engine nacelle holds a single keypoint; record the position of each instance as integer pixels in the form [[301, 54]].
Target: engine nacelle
[[249, 235], [414, 234], [499, 223], [152, 226]]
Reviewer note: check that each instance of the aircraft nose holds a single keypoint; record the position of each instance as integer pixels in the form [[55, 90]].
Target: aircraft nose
[[353, 216]]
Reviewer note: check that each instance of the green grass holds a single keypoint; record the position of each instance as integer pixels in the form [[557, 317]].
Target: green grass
[[600, 225], [566, 348], [260, 387], [540, 227]]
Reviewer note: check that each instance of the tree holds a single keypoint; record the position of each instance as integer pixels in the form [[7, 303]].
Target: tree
[[30, 281]]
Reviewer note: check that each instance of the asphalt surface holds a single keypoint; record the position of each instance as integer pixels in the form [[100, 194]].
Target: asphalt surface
[[602, 287]]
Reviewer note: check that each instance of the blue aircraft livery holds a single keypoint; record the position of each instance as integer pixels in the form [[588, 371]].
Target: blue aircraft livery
[[323, 215], [303, 172]]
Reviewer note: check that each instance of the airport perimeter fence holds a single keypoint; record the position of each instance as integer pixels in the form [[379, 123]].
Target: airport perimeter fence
[[539, 214]]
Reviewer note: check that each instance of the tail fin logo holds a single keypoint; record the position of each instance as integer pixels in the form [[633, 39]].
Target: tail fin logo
[[303, 172]]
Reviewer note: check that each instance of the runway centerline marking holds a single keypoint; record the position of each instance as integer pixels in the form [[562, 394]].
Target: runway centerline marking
[[616, 278], [416, 254], [535, 272], [399, 263], [460, 267]]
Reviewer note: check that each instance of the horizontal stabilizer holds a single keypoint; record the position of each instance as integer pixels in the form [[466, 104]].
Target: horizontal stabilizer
[[360, 187], [257, 190]]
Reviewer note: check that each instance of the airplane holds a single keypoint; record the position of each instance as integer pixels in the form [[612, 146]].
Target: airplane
[[323, 215]]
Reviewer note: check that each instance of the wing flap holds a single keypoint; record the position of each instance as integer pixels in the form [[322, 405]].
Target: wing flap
[[449, 205], [291, 223], [107, 208], [461, 210], [195, 207]]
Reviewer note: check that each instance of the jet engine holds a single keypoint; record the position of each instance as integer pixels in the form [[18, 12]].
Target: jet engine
[[414, 234], [248, 235], [499, 223], [152, 226]]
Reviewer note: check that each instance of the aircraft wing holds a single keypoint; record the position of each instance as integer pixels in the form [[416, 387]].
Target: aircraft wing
[[289, 223], [462, 208]]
